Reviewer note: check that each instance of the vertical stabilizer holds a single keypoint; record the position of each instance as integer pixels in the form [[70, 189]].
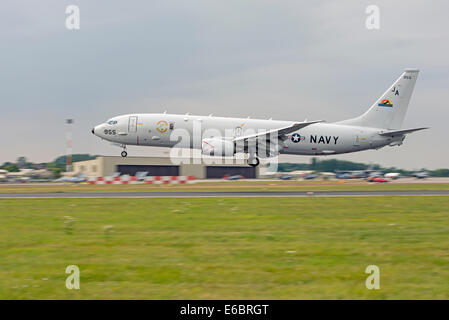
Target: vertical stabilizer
[[388, 112]]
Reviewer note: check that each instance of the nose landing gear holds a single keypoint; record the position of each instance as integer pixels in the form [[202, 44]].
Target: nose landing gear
[[124, 153]]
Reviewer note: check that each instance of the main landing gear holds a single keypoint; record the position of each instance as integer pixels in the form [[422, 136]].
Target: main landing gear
[[253, 161]]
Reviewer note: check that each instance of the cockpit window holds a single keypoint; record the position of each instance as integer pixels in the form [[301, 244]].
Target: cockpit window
[[112, 122]]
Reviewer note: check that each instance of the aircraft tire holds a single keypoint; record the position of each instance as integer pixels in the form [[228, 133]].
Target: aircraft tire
[[124, 154], [255, 164]]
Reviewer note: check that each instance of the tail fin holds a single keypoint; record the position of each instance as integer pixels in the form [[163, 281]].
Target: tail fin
[[389, 110]]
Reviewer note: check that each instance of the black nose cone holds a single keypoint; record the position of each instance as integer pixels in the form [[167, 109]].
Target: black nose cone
[[93, 131]]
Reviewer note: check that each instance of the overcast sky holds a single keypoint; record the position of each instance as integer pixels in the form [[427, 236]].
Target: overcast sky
[[289, 60]]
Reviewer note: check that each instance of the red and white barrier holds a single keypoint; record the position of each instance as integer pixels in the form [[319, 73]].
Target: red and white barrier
[[113, 180], [147, 180], [169, 179]]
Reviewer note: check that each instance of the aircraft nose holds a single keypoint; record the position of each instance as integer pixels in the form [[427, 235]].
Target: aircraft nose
[[96, 130]]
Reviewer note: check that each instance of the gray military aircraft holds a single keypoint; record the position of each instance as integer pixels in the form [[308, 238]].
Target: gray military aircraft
[[379, 126], [76, 179]]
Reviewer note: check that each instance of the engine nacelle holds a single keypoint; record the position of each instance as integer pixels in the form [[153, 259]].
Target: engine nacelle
[[217, 147]]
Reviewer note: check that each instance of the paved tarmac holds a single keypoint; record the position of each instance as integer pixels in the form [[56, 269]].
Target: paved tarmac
[[200, 194]]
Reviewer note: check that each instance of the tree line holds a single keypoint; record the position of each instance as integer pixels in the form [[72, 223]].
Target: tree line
[[333, 165], [57, 166]]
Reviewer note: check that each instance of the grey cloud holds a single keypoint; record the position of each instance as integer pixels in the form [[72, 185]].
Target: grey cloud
[[312, 60]]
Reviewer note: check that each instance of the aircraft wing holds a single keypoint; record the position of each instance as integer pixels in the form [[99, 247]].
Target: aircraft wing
[[400, 132], [280, 131]]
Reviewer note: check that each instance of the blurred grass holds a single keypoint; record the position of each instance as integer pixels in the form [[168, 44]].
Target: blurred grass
[[225, 186], [225, 248]]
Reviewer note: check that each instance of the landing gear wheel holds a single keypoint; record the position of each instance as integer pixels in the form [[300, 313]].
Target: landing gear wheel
[[124, 154], [253, 162]]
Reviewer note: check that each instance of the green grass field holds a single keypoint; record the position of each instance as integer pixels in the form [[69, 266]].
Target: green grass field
[[225, 248], [246, 185]]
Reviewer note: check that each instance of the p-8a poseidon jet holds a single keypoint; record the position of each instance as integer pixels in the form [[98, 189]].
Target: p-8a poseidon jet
[[379, 126]]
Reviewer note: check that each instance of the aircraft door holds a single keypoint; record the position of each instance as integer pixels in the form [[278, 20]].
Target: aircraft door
[[357, 141], [132, 124], [238, 131], [361, 141]]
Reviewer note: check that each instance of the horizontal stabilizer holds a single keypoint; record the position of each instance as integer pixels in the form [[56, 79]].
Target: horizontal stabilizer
[[280, 131], [400, 132]]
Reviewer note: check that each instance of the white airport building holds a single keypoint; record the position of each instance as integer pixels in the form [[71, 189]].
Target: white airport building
[[206, 168]]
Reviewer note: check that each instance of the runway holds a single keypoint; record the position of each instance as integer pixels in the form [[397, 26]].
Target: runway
[[207, 194]]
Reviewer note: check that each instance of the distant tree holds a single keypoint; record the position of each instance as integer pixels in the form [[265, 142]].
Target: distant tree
[[439, 173], [11, 168], [334, 164], [56, 172], [313, 163], [287, 167], [21, 162], [60, 162], [4, 165]]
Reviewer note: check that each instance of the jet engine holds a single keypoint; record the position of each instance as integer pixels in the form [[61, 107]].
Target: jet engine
[[217, 147]]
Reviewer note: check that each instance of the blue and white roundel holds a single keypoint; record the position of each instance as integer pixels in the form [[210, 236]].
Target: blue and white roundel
[[296, 137]]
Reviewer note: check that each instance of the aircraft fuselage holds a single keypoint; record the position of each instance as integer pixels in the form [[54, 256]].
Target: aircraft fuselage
[[164, 130]]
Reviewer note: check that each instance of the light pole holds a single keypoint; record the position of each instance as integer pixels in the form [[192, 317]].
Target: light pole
[[69, 122]]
